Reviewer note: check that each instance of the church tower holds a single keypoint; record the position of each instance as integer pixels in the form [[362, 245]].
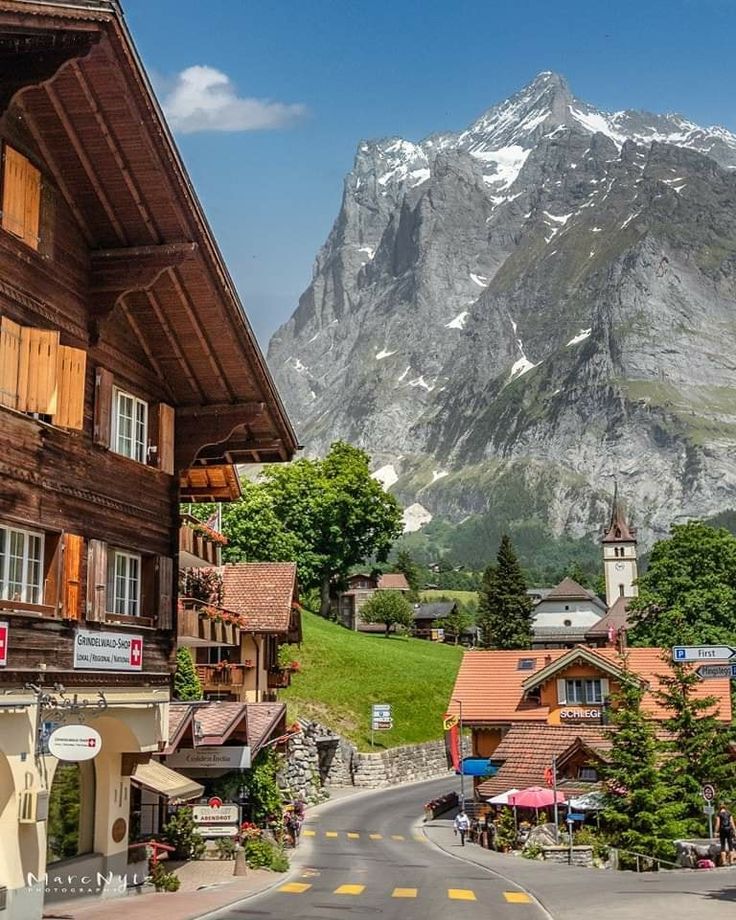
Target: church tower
[[619, 555]]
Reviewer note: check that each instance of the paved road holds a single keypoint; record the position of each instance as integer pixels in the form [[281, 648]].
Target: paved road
[[367, 856]]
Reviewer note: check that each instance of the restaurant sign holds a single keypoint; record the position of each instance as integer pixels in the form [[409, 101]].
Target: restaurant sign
[[572, 715], [225, 814], [107, 651], [210, 758]]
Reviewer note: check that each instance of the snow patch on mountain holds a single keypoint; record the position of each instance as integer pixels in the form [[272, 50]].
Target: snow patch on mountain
[[580, 337], [415, 517], [386, 475]]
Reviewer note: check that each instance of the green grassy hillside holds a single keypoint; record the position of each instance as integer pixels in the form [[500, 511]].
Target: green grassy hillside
[[343, 673], [430, 595]]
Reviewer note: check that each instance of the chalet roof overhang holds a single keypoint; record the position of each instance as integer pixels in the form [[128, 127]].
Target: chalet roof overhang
[[577, 655], [85, 101]]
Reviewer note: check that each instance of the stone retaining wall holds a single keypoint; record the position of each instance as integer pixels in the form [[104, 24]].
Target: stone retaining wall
[[400, 765], [581, 856], [318, 758]]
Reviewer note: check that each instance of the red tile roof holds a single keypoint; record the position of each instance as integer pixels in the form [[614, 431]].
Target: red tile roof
[[617, 617], [527, 751], [218, 720], [393, 581], [262, 593], [490, 683]]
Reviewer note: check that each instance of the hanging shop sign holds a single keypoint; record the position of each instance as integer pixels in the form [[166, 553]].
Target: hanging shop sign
[[210, 758], [223, 814], [74, 742], [107, 651]]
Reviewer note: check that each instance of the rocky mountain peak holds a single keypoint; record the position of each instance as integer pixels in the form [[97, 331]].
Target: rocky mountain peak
[[507, 316]]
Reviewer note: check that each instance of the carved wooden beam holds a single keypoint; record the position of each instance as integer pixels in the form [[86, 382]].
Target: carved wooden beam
[[202, 428], [30, 59], [117, 272]]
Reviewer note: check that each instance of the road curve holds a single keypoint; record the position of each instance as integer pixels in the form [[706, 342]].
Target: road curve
[[367, 856]]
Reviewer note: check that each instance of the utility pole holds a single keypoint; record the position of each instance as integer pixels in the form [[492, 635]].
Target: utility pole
[[462, 755], [554, 792]]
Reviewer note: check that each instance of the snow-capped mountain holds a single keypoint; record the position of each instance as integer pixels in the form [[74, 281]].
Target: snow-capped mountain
[[507, 316]]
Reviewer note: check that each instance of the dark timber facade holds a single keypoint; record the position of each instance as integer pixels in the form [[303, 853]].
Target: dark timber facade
[[130, 380]]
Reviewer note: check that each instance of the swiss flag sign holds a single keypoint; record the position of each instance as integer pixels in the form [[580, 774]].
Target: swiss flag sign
[[136, 653], [3, 644]]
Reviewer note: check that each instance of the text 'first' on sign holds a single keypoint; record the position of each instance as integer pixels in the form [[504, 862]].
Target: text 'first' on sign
[[702, 652]]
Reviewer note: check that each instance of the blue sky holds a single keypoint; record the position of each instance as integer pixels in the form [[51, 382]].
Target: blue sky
[[309, 78]]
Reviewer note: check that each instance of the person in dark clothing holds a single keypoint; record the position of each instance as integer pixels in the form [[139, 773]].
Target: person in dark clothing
[[726, 830]]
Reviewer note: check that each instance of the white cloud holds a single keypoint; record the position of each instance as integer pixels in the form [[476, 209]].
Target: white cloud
[[204, 99]]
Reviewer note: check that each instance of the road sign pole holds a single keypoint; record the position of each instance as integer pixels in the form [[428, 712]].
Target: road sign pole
[[710, 823]]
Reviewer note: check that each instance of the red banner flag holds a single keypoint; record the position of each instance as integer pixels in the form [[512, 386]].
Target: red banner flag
[[452, 743]]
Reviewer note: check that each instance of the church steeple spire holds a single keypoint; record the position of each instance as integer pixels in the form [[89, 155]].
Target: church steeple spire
[[619, 555], [619, 530]]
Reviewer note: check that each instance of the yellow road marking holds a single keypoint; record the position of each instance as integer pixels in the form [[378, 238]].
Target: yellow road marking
[[396, 837], [420, 837], [376, 836], [350, 889], [330, 833], [461, 894], [295, 888], [517, 897], [404, 893], [309, 833], [353, 836]]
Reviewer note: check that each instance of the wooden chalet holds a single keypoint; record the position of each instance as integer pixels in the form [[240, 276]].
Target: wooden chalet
[[130, 380]]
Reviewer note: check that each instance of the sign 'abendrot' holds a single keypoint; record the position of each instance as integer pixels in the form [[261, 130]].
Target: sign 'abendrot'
[[3, 644], [108, 651]]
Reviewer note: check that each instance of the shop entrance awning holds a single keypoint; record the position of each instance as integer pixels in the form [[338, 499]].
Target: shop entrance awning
[[477, 766], [164, 781]]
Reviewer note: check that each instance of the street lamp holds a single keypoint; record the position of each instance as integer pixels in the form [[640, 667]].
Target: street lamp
[[462, 755]]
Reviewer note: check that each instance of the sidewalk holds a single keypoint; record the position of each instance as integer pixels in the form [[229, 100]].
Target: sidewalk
[[570, 893], [206, 887]]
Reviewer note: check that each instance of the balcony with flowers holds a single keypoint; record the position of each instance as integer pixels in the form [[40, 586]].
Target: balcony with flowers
[[202, 620], [199, 543]]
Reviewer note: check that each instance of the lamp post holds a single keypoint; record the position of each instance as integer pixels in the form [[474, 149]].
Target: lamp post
[[462, 755]]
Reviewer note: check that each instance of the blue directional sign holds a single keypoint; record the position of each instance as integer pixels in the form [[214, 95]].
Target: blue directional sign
[[703, 652]]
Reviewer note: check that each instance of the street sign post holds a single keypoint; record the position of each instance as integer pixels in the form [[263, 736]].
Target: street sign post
[[702, 653], [713, 671], [381, 718], [709, 793]]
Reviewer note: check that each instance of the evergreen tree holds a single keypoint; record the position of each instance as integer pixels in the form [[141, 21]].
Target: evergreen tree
[[504, 607], [187, 685], [641, 811], [406, 565], [698, 744]]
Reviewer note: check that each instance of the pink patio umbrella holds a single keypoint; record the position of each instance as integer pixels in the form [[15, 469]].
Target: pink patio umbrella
[[535, 797]]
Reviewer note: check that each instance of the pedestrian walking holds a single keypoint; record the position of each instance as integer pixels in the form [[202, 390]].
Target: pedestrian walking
[[462, 826], [726, 831]]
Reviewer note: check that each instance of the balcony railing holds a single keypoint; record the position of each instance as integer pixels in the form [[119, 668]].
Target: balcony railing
[[279, 678], [198, 544], [198, 624], [230, 675]]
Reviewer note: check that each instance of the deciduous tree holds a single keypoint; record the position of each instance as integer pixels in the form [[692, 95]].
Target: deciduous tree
[[389, 608], [688, 594]]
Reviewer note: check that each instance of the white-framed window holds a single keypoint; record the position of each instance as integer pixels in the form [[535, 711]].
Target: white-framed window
[[129, 426], [21, 565], [580, 690], [588, 774], [124, 579]]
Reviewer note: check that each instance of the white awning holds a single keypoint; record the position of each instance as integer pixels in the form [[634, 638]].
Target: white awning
[[164, 781], [502, 798]]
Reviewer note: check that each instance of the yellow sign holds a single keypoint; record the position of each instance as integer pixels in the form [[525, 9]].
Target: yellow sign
[[450, 722]]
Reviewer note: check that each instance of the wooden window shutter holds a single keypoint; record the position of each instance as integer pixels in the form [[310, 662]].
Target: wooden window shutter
[[70, 392], [165, 591], [9, 362], [21, 197], [166, 438], [561, 692], [72, 597], [37, 370], [96, 580], [103, 407]]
